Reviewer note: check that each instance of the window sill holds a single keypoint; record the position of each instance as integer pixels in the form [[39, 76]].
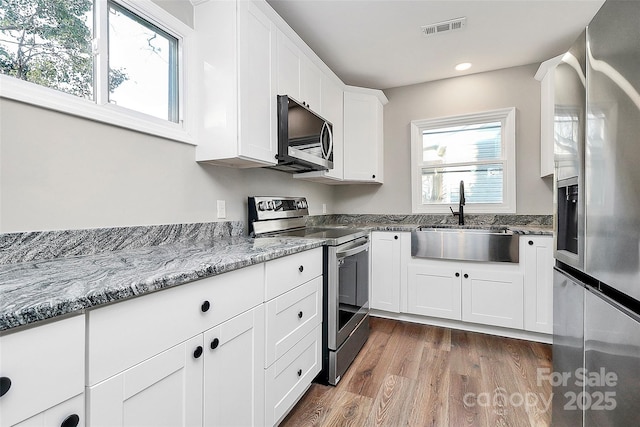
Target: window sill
[[29, 93], [471, 210]]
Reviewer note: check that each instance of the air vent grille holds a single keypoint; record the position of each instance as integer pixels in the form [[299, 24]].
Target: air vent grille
[[443, 27]]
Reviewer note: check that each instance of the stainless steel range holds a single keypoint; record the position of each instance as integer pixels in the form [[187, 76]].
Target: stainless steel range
[[346, 276]]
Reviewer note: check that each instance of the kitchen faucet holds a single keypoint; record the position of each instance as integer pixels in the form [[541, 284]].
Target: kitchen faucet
[[460, 213]]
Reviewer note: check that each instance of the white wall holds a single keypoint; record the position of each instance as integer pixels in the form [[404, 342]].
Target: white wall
[[63, 172], [513, 87]]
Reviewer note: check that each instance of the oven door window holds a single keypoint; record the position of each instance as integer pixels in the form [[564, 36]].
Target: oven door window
[[353, 289]]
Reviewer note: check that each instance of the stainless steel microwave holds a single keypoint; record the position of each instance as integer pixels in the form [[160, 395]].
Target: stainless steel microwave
[[305, 140]]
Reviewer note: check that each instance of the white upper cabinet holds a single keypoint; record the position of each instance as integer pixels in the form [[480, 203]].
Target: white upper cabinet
[[332, 110], [545, 75], [363, 135], [237, 45], [298, 77]]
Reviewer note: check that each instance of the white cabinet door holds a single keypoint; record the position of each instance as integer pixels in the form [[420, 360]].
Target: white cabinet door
[[288, 67], [236, 57], [385, 271], [297, 75], [537, 252], [363, 138], [257, 44], [311, 85], [233, 371], [41, 367], [165, 390], [434, 291], [492, 298]]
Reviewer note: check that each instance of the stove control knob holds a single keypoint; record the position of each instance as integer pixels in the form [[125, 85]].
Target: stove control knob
[[300, 204], [269, 205], [303, 202]]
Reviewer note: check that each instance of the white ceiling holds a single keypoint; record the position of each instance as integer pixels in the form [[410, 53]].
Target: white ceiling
[[378, 43]]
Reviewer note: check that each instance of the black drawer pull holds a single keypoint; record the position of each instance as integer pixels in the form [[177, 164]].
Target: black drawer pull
[[71, 421], [205, 306], [198, 352], [457, 274], [299, 315], [299, 372], [215, 343], [373, 176], [301, 268], [5, 385], [531, 242], [466, 276], [395, 237]]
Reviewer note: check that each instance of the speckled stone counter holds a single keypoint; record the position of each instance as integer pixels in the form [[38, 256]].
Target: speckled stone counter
[[40, 290], [518, 224]]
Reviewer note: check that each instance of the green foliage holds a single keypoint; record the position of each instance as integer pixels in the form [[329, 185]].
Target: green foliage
[[48, 42]]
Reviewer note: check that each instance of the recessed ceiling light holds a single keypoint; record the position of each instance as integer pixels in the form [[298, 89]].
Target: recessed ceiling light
[[463, 66]]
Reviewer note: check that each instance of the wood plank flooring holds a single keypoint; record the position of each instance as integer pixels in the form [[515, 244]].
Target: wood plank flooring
[[416, 375]]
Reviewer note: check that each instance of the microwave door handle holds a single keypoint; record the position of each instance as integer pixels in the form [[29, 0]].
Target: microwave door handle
[[353, 251], [327, 153]]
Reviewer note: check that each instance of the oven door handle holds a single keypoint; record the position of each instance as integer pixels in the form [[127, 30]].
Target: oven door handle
[[352, 251]]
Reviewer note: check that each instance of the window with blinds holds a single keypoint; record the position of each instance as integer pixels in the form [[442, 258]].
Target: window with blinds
[[477, 149]]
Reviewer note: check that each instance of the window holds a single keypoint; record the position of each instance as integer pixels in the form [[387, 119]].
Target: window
[[127, 57], [478, 149]]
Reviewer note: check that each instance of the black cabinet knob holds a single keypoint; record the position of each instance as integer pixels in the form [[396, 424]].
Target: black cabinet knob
[[301, 268], [395, 237], [299, 315], [198, 352], [215, 343], [71, 421], [299, 372], [466, 276], [205, 306], [457, 274], [531, 242], [5, 385], [373, 176]]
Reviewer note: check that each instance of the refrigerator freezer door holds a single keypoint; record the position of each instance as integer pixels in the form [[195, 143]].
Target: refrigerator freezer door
[[568, 347], [612, 360], [613, 147]]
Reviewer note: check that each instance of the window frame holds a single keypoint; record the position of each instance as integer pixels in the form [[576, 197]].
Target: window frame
[[99, 108], [507, 117]]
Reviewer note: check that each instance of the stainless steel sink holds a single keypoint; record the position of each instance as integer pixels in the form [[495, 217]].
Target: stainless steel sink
[[493, 244]]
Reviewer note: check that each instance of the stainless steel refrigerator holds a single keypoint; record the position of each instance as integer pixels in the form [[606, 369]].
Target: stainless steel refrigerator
[[597, 301]]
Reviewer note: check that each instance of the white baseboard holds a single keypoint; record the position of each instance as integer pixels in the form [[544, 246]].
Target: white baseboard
[[465, 326]]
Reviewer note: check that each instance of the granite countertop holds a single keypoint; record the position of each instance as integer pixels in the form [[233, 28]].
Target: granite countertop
[[399, 227], [40, 290]]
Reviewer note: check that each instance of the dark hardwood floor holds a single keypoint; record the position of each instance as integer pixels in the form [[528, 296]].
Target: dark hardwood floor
[[415, 375]]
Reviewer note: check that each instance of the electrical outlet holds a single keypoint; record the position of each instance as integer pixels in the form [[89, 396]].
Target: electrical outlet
[[324, 208], [222, 209]]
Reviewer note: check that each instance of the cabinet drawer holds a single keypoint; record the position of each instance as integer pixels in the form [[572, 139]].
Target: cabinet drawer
[[284, 274], [288, 378], [292, 316], [131, 331], [67, 411], [45, 365]]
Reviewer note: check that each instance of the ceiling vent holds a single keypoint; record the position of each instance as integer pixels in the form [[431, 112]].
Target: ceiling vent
[[443, 27]]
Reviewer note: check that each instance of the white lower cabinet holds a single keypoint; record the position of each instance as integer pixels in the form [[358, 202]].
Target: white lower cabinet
[[492, 297], [537, 252], [389, 254], [165, 390], [293, 319], [289, 377], [42, 374], [434, 290], [490, 294]]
